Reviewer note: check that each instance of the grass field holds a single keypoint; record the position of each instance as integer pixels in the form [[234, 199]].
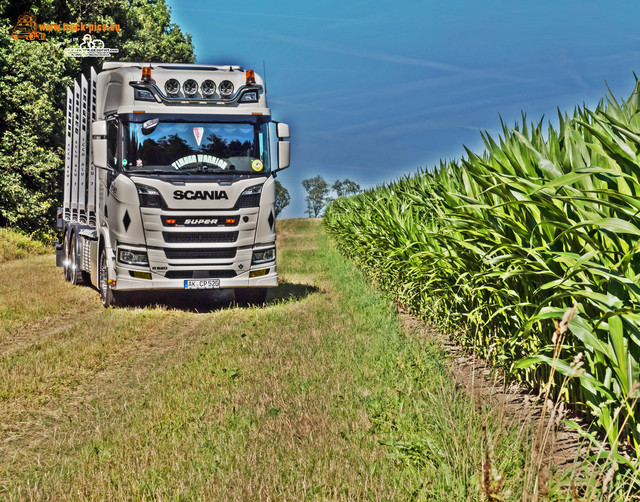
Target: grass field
[[318, 395]]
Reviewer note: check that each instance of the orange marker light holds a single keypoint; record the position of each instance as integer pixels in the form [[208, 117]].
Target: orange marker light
[[231, 221], [146, 73], [170, 221], [251, 77]]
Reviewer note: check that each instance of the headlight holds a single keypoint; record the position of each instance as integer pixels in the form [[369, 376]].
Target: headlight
[[225, 88], [255, 189], [131, 257], [263, 256], [149, 196], [172, 87]]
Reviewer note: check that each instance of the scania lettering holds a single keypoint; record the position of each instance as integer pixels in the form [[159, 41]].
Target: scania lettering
[[199, 194], [169, 181]]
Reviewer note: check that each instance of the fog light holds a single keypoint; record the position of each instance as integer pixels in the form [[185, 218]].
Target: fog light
[[140, 275], [259, 273]]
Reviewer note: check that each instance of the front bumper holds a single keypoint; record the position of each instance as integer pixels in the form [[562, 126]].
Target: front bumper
[[125, 282]]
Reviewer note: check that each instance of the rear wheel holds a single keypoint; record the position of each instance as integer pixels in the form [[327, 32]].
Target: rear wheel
[[108, 296], [75, 268], [66, 265], [250, 296]]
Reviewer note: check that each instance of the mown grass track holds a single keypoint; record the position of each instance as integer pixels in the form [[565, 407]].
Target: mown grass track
[[316, 396]]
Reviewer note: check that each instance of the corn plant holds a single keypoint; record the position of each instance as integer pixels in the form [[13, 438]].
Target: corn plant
[[494, 247]]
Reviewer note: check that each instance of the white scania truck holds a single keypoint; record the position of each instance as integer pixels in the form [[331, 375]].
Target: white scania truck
[[169, 181]]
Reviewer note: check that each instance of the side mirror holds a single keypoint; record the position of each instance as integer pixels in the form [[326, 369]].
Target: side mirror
[[284, 154], [282, 130], [99, 143]]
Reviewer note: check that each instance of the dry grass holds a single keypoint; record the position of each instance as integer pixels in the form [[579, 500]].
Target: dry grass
[[306, 398]]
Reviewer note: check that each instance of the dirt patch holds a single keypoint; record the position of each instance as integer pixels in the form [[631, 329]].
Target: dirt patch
[[562, 448]]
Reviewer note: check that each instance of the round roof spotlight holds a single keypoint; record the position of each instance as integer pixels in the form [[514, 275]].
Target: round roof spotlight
[[208, 88], [190, 87], [172, 87], [226, 89]]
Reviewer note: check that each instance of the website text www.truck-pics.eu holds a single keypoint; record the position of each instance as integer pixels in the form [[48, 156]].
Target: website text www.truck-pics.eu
[[90, 27]]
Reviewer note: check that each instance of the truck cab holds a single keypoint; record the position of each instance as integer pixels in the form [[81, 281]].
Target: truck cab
[[175, 189]]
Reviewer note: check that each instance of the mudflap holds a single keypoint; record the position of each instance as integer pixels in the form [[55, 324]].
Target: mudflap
[[59, 254]]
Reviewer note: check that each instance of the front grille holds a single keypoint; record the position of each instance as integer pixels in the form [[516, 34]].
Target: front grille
[[200, 254], [200, 274], [192, 237], [252, 200]]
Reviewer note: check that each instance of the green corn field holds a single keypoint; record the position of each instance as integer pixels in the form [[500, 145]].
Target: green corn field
[[497, 246]]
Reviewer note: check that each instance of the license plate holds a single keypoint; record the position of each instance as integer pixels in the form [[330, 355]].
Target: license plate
[[202, 284]]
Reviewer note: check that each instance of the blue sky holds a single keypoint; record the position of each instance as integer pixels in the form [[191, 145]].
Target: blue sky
[[373, 90]]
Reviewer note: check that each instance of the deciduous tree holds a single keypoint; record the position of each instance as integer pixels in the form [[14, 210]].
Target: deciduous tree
[[282, 198], [346, 187], [32, 91], [317, 195]]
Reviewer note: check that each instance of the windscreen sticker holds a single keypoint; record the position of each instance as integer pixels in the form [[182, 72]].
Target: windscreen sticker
[[197, 132], [139, 163], [200, 159], [256, 165], [124, 162]]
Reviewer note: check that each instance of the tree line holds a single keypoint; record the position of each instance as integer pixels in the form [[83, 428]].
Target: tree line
[[318, 194], [33, 84]]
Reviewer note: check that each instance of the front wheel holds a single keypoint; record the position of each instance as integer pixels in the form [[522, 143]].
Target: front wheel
[[250, 296], [109, 297]]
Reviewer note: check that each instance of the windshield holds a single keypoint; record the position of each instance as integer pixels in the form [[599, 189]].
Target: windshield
[[195, 147]]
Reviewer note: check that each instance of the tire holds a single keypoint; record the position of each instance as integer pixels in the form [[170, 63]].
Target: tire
[[250, 296], [109, 297], [75, 268], [66, 266]]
